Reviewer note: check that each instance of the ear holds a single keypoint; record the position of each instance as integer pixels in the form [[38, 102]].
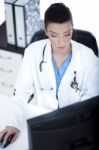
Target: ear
[[45, 30]]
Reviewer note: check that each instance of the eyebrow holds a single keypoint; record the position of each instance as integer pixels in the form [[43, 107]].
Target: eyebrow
[[58, 33], [53, 32]]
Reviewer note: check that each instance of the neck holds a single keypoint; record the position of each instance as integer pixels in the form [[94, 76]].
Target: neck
[[63, 52], [61, 57]]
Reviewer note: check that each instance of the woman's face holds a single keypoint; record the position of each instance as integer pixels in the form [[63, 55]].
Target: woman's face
[[60, 36]]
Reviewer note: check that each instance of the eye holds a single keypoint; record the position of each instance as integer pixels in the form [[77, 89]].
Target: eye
[[67, 34], [53, 35]]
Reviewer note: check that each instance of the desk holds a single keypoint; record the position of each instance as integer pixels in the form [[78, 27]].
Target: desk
[[32, 111]]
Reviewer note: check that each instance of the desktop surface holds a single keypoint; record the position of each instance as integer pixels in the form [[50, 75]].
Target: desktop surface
[[74, 127]]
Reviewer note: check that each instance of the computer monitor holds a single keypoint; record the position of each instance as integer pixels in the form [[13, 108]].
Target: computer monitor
[[74, 127]]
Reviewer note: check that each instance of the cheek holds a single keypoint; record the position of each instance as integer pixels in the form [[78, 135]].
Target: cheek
[[68, 39], [53, 41]]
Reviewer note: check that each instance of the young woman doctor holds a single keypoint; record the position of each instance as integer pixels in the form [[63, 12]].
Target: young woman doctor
[[55, 72]]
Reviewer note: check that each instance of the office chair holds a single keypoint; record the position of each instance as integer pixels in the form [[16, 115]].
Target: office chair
[[81, 36]]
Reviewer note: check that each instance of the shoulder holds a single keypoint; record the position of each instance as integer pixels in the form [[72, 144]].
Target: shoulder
[[83, 49], [86, 54], [36, 48]]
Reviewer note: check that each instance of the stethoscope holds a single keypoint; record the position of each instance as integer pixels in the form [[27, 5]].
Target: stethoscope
[[74, 83], [42, 61]]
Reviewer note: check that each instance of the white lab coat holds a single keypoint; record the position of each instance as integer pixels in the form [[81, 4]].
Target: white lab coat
[[43, 84]]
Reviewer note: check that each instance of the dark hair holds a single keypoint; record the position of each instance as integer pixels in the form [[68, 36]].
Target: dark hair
[[57, 13]]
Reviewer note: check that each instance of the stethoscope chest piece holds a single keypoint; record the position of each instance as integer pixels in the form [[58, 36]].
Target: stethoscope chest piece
[[74, 83]]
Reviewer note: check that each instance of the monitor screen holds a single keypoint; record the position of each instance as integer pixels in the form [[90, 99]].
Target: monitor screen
[[74, 127]]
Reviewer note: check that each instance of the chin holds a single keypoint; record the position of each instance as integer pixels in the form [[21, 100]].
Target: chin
[[62, 49]]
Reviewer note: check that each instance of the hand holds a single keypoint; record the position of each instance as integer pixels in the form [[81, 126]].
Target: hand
[[7, 132]]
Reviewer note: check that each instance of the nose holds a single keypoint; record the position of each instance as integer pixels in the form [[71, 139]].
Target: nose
[[61, 42]]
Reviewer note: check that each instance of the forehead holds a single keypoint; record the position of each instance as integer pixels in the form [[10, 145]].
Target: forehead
[[60, 27]]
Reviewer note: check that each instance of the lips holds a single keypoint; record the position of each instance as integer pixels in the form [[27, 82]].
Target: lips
[[61, 48]]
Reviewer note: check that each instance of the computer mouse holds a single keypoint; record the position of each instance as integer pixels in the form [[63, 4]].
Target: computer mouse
[[2, 145]]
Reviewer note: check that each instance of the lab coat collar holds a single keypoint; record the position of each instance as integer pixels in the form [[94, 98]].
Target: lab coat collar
[[48, 66], [48, 53], [74, 64], [75, 54]]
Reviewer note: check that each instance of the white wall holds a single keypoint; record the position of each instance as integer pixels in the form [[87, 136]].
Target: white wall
[[85, 13]]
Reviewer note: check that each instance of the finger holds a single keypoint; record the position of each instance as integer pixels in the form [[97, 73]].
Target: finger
[[8, 133], [15, 137], [2, 134], [14, 134], [6, 137]]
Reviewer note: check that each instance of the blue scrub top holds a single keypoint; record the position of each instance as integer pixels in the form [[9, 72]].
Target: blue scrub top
[[59, 72]]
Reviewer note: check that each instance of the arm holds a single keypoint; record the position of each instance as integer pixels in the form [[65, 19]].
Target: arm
[[17, 111]]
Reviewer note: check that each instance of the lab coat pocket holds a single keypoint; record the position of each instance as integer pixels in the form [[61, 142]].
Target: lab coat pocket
[[79, 94], [75, 95], [48, 99], [69, 96]]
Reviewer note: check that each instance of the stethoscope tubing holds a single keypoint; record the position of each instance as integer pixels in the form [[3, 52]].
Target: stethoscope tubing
[[74, 83]]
